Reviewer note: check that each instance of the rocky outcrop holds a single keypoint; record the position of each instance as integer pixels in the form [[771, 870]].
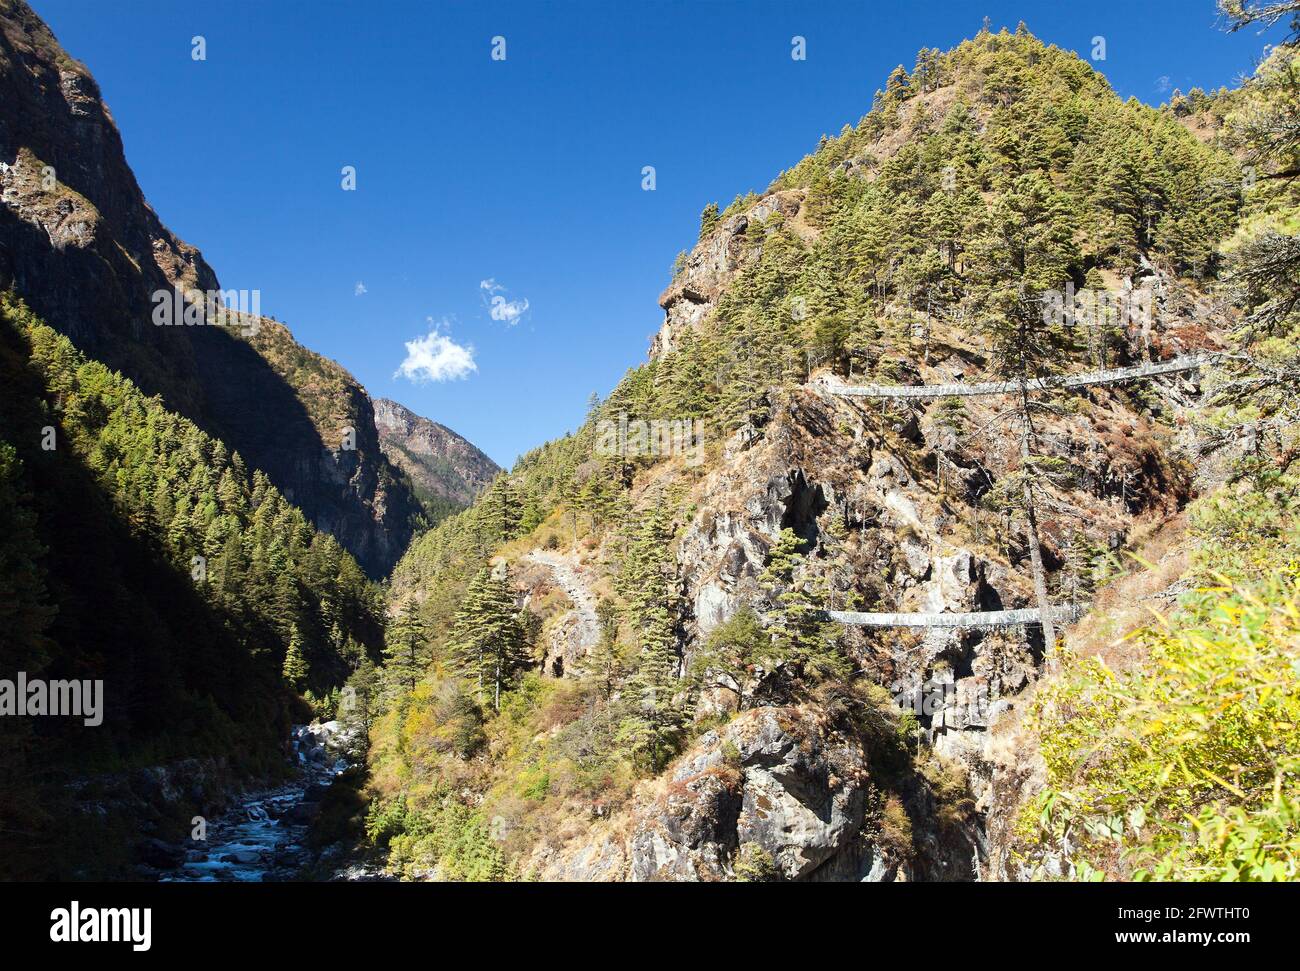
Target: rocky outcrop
[[711, 265], [859, 486], [777, 794], [441, 463], [81, 245], [576, 632]]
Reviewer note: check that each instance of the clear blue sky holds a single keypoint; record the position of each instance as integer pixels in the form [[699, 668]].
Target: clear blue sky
[[526, 172]]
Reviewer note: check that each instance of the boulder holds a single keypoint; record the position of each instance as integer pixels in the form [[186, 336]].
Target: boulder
[[160, 854], [771, 778]]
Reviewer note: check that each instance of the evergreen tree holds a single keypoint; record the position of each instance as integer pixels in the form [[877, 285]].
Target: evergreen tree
[[295, 669], [487, 640], [501, 511], [730, 656], [407, 654], [709, 219], [606, 663], [803, 642], [656, 712]]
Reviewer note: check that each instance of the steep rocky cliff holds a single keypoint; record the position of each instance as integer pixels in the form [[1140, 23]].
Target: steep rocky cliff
[[886, 534], [81, 245], [443, 466]]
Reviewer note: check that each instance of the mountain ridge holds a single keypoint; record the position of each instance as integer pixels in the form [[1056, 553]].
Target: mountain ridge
[[71, 209], [446, 468], [690, 742]]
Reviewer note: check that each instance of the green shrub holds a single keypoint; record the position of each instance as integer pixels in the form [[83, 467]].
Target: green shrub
[[1188, 768], [755, 865]]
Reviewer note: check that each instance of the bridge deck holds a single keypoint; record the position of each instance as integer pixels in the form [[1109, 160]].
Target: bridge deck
[[985, 618], [1186, 362]]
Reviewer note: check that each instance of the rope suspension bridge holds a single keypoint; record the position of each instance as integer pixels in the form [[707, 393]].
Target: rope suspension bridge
[[983, 618], [1186, 362], [996, 619]]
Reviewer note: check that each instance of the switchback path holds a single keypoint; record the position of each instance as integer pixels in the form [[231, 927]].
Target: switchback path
[[576, 589]]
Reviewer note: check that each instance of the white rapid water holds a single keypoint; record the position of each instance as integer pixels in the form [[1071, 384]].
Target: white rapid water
[[263, 836]]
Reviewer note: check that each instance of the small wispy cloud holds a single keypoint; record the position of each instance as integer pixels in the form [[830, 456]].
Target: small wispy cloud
[[1163, 83], [436, 357], [499, 308], [359, 289]]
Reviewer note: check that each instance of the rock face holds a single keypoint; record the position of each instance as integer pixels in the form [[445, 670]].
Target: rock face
[[777, 794], [711, 265], [81, 245], [855, 485], [440, 463]]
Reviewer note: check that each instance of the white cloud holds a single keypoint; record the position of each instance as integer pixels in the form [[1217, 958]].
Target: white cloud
[[499, 308], [359, 289], [436, 357], [1163, 83]]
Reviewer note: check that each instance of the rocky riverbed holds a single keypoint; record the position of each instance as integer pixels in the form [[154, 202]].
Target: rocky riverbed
[[264, 836]]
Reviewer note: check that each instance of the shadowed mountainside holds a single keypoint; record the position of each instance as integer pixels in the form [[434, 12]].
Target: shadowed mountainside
[[85, 250]]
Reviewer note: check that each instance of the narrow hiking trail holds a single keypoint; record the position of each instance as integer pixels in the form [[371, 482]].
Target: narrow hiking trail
[[574, 584]]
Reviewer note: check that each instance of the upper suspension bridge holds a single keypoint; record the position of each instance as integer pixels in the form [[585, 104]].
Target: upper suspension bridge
[[997, 618]]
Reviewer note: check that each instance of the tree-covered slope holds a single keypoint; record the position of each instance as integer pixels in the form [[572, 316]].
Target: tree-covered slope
[[139, 551], [83, 248]]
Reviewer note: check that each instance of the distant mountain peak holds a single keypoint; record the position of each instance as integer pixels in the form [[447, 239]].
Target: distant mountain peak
[[445, 468]]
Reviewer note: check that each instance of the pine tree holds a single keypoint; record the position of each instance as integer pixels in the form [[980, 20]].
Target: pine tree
[[487, 641], [605, 662], [709, 219], [656, 713], [359, 698], [295, 669], [1077, 573], [643, 581], [864, 334], [406, 650], [803, 642], [731, 654], [501, 511], [950, 420]]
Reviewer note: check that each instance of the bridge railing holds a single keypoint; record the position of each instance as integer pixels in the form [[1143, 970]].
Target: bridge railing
[[984, 618], [1186, 362]]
